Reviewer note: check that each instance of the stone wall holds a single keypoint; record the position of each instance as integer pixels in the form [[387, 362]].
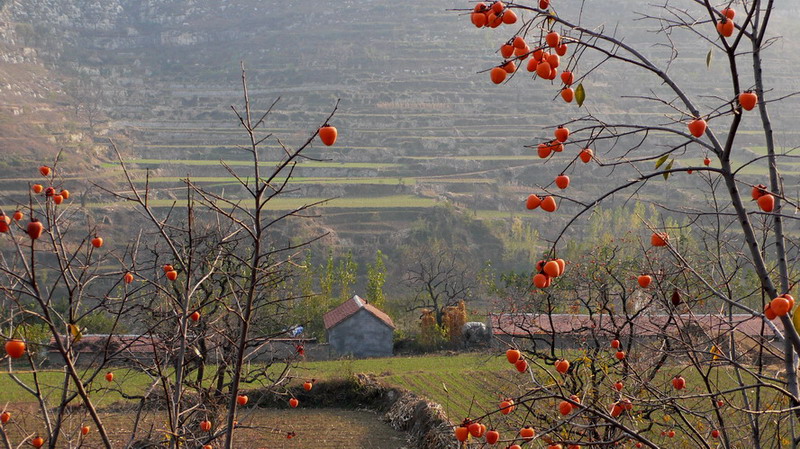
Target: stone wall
[[425, 422], [361, 335], [281, 350]]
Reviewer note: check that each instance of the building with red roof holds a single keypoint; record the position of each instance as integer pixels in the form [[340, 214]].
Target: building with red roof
[[359, 329], [646, 331], [531, 324], [115, 349]]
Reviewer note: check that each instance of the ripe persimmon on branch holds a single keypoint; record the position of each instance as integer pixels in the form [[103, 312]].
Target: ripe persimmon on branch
[[715, 262], [254, 267], [50, 283], [187, 306]]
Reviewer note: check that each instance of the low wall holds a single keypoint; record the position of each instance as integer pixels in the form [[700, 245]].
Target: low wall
[[281, 350], [272, 351]]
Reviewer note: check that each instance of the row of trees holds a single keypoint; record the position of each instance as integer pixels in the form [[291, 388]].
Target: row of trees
[[324, 286]]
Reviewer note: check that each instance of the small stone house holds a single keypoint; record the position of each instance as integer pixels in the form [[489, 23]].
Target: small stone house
[[359, 329]]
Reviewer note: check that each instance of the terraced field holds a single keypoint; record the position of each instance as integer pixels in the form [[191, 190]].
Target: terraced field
[[465, 384], [419, 124]]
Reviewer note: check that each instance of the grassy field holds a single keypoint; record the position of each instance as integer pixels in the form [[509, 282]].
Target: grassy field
[[318, 428], [455, 381], [465, 384], [462, 383], [452, 380], [51, 382]]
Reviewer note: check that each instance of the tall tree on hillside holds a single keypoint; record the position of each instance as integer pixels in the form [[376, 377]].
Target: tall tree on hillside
[[88, 100], [376, 278], [440, 278], [346, 273]]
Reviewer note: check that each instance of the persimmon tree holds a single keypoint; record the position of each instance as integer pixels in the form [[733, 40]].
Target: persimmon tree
[[720, 263], [200, 288]]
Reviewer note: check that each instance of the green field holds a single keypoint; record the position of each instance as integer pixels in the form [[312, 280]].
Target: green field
[[248, 163], [282, 204], [465, 384], [458, 382], [176, 180], [51, 382]]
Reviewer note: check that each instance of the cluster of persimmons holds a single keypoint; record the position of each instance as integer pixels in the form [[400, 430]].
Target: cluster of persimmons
[[542, 58], [474, 428]]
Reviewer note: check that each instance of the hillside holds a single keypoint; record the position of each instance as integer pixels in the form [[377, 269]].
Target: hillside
[[418, 126], [36, 118]]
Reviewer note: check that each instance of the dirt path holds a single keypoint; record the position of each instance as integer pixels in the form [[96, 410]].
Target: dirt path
[[327, 428]]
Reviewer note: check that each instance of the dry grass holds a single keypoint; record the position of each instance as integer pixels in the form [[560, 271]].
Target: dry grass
[[259, 428]]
